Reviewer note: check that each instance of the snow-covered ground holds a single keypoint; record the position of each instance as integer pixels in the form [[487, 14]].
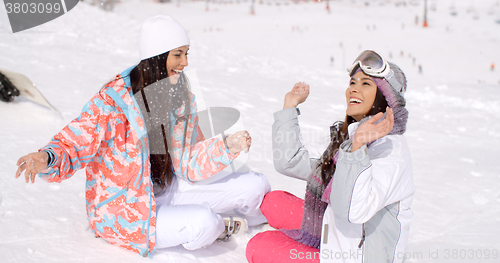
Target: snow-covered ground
[[249, 62]]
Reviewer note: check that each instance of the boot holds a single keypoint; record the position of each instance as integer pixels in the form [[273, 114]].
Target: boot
[[234, 226]]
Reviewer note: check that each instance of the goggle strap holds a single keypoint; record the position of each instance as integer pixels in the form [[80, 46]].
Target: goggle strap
[[394, 82], [351, 68]]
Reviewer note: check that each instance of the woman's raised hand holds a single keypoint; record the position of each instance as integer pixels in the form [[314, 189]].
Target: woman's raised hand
[[32, 164], [298, 95], [239, 141], [368, 131]]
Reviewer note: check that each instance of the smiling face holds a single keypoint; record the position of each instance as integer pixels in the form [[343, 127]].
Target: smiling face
[[176, 62], [360, 95]]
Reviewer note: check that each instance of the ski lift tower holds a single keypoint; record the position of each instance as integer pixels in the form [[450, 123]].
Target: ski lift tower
[[425, 13]]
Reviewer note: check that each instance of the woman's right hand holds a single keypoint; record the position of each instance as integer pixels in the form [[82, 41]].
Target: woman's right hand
[[298, 95], [240, 141], [32, 164]]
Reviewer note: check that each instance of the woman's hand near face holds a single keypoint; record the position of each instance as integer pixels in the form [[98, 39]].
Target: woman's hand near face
[[239, 141], [368, 131], [32, 164], [298, 95]]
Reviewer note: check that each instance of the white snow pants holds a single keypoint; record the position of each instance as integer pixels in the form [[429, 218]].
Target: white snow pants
[[188, 215]]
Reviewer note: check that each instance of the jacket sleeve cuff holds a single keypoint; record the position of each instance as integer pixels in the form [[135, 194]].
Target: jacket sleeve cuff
[[286, 114], [53, 159], [230, 156]]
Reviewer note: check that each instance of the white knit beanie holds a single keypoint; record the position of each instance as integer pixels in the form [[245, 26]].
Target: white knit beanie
[[159, 34]]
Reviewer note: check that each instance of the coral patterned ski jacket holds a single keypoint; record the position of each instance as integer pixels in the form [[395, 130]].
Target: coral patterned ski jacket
[[109, 139]]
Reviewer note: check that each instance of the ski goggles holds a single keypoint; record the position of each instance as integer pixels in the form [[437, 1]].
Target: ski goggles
[[372, 64]]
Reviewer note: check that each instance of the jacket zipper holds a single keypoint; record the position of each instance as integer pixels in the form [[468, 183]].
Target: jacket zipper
[[362, 238], [123, 106], [147, 252]]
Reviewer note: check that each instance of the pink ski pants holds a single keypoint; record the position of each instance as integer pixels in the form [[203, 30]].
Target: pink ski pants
[[283, 211]]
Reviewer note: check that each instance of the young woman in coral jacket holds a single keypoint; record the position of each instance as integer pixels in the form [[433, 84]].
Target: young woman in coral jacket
[[139, 142]]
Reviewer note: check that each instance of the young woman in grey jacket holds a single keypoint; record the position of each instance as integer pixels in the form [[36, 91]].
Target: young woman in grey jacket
[[359, 192]]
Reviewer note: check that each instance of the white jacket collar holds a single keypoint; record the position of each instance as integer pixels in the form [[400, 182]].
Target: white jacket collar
[[351, 129]]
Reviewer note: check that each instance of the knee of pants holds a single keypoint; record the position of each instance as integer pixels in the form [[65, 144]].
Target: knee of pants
[[253, 246], [206, 220], [205, 227], [275, 246], [255, 185], [282, 210], [270, 200], [266, 247], [278, 200]]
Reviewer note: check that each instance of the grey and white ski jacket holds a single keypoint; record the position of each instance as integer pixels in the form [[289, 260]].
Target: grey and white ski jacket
[[369, 217]]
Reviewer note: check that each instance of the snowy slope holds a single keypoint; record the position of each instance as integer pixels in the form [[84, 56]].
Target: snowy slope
[[249, 63]]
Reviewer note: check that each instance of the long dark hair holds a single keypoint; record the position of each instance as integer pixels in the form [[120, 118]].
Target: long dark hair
[[154, 71], [339, 134]]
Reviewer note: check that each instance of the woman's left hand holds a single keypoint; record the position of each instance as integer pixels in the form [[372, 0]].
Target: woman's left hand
[[368, 131], [239, 141]]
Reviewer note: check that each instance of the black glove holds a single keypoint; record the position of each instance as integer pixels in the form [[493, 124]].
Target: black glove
[[7, 90]]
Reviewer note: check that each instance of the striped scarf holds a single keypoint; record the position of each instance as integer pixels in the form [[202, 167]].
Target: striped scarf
[[315, 203]]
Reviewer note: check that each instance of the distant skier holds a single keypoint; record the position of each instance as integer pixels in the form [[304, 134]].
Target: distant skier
[[107, 5], [138, 197], [7, 89], [358, 192]]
